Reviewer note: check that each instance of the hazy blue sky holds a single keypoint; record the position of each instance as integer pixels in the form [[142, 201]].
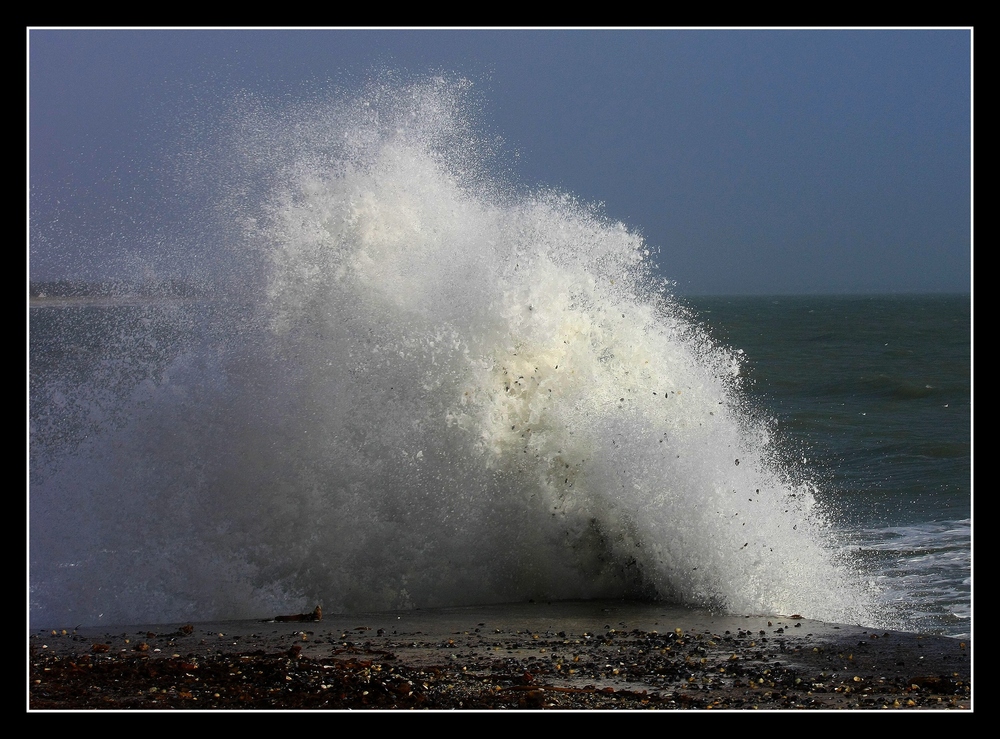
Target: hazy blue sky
[[756, 161]]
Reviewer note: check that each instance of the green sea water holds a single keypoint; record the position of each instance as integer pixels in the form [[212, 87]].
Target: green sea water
[[871, 396]]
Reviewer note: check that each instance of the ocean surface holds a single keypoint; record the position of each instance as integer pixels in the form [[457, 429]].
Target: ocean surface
[[872, 394], [418, 387]]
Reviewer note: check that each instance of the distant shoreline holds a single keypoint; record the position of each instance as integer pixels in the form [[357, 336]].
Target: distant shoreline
[[57, 293]]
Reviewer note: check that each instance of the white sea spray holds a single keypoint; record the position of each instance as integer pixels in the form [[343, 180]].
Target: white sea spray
[[458, 392]]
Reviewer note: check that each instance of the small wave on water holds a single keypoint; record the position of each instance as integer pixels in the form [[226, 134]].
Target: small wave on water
[[440, 391], [925, 572]]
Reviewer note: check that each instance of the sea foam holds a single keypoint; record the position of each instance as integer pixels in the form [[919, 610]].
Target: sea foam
[[437, 389]]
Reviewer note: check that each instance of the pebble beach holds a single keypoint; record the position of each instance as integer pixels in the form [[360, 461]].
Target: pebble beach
[[593, 655]]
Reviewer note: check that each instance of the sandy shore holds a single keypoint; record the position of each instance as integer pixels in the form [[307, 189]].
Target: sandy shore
[[533, 656]]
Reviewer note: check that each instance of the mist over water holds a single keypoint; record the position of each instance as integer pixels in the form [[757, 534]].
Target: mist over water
[[426, 388]]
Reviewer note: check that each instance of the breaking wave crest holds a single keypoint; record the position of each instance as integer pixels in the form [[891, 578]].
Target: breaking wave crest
[[441, 391]]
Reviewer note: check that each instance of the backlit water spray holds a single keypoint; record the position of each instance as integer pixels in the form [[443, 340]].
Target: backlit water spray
[[435, 390]]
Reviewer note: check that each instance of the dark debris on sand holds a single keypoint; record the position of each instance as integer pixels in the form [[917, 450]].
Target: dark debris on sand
[[496, 669]]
